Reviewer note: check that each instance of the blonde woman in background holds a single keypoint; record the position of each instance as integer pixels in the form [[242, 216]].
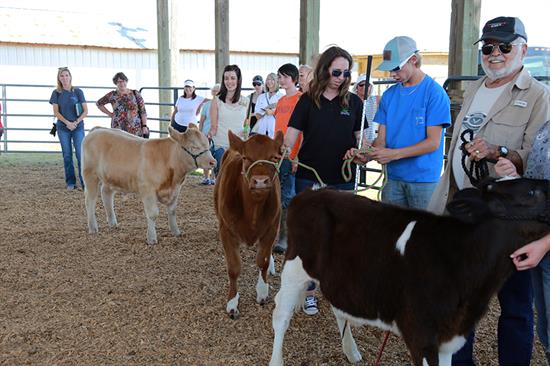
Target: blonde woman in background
[[265, 106], [70, 109]]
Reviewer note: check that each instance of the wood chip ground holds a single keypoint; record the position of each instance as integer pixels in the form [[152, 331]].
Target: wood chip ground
[[70, 298]]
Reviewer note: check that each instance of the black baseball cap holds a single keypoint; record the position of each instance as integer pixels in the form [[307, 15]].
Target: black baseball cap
[[503, 29]]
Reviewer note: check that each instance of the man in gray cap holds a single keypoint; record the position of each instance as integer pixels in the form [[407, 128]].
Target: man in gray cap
[[503, 111], [412, 116]]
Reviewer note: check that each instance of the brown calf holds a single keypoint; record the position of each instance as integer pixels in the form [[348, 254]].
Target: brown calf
[[154, 169], [248, 206]]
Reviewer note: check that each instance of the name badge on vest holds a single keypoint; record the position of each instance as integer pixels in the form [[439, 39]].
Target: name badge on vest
[[520, 103]]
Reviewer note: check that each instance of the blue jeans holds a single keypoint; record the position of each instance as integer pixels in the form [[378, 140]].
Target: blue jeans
[[515, 325], [413, 195], [217, 153], [287, 183], [68, 140], [541, 288]]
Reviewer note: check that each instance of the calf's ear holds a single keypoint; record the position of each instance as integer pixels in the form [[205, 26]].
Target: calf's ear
[[235, 142], [468, 206], [173, 133]]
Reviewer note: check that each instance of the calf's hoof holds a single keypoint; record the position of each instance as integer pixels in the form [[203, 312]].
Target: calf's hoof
[[354, 357], [234, 314], [232, 307], [152, 242]]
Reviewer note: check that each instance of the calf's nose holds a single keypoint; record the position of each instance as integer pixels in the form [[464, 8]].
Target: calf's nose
[[260, 181]]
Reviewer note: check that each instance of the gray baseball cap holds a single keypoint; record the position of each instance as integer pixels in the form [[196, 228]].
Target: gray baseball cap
[[397, 52]]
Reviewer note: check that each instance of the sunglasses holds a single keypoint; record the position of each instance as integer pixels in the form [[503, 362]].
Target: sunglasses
[[400, 67], [504, 48], [256, 83], [336, 73], [362, 85]]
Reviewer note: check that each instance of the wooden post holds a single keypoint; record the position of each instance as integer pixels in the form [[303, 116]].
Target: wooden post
[[222, 36], [463, 54], [309, 30], [168, 58]]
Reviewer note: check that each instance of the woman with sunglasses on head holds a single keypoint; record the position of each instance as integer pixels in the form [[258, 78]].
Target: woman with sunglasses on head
[[258, 84], [187, 108], [129, 112], [265, 107], [227, 112], [329, 118], [70, 109]]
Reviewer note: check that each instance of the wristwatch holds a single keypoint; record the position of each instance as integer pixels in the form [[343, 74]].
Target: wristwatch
[[503, 151]]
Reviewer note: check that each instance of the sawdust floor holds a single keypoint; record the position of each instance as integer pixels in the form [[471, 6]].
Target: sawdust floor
[[70, 298]]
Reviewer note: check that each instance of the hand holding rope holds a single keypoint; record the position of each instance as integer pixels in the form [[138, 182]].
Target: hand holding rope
[[478, 170]]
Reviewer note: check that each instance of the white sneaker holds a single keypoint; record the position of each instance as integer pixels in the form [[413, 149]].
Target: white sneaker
[[310, 305]]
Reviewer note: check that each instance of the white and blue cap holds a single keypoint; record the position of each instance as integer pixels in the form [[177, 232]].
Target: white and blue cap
[[397, 52]]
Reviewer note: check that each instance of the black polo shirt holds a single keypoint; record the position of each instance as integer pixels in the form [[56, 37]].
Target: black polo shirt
[[328, 132]]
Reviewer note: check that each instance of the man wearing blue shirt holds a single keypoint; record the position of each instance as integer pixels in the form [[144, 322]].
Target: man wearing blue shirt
[[412, 115]]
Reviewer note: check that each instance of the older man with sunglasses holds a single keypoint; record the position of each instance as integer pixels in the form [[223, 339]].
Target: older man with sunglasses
[[503, 111]]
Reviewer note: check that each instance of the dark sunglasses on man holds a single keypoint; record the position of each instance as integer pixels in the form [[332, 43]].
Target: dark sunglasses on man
[[504, 48], [336, 73], [256, 83]]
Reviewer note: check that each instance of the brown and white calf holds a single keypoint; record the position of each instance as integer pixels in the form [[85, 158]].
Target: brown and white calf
[[248, 206], [426, 278], [114, 160]]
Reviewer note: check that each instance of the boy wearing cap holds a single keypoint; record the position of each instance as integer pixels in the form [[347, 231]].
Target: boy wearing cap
[[412, 115], [504, 110]]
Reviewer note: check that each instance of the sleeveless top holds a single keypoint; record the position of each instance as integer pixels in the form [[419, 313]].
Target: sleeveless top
[[230, 117]]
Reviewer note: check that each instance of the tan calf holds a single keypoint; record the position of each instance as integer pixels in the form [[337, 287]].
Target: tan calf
[[154, 169]]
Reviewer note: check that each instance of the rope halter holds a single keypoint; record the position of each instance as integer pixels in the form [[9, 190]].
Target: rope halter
[[277, 165], [195, 156]]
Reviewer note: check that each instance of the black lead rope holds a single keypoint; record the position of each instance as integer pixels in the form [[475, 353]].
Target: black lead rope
[[195, 156], [478, 170]]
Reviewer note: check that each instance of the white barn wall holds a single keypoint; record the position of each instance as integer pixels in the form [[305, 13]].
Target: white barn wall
[[37, 65]]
